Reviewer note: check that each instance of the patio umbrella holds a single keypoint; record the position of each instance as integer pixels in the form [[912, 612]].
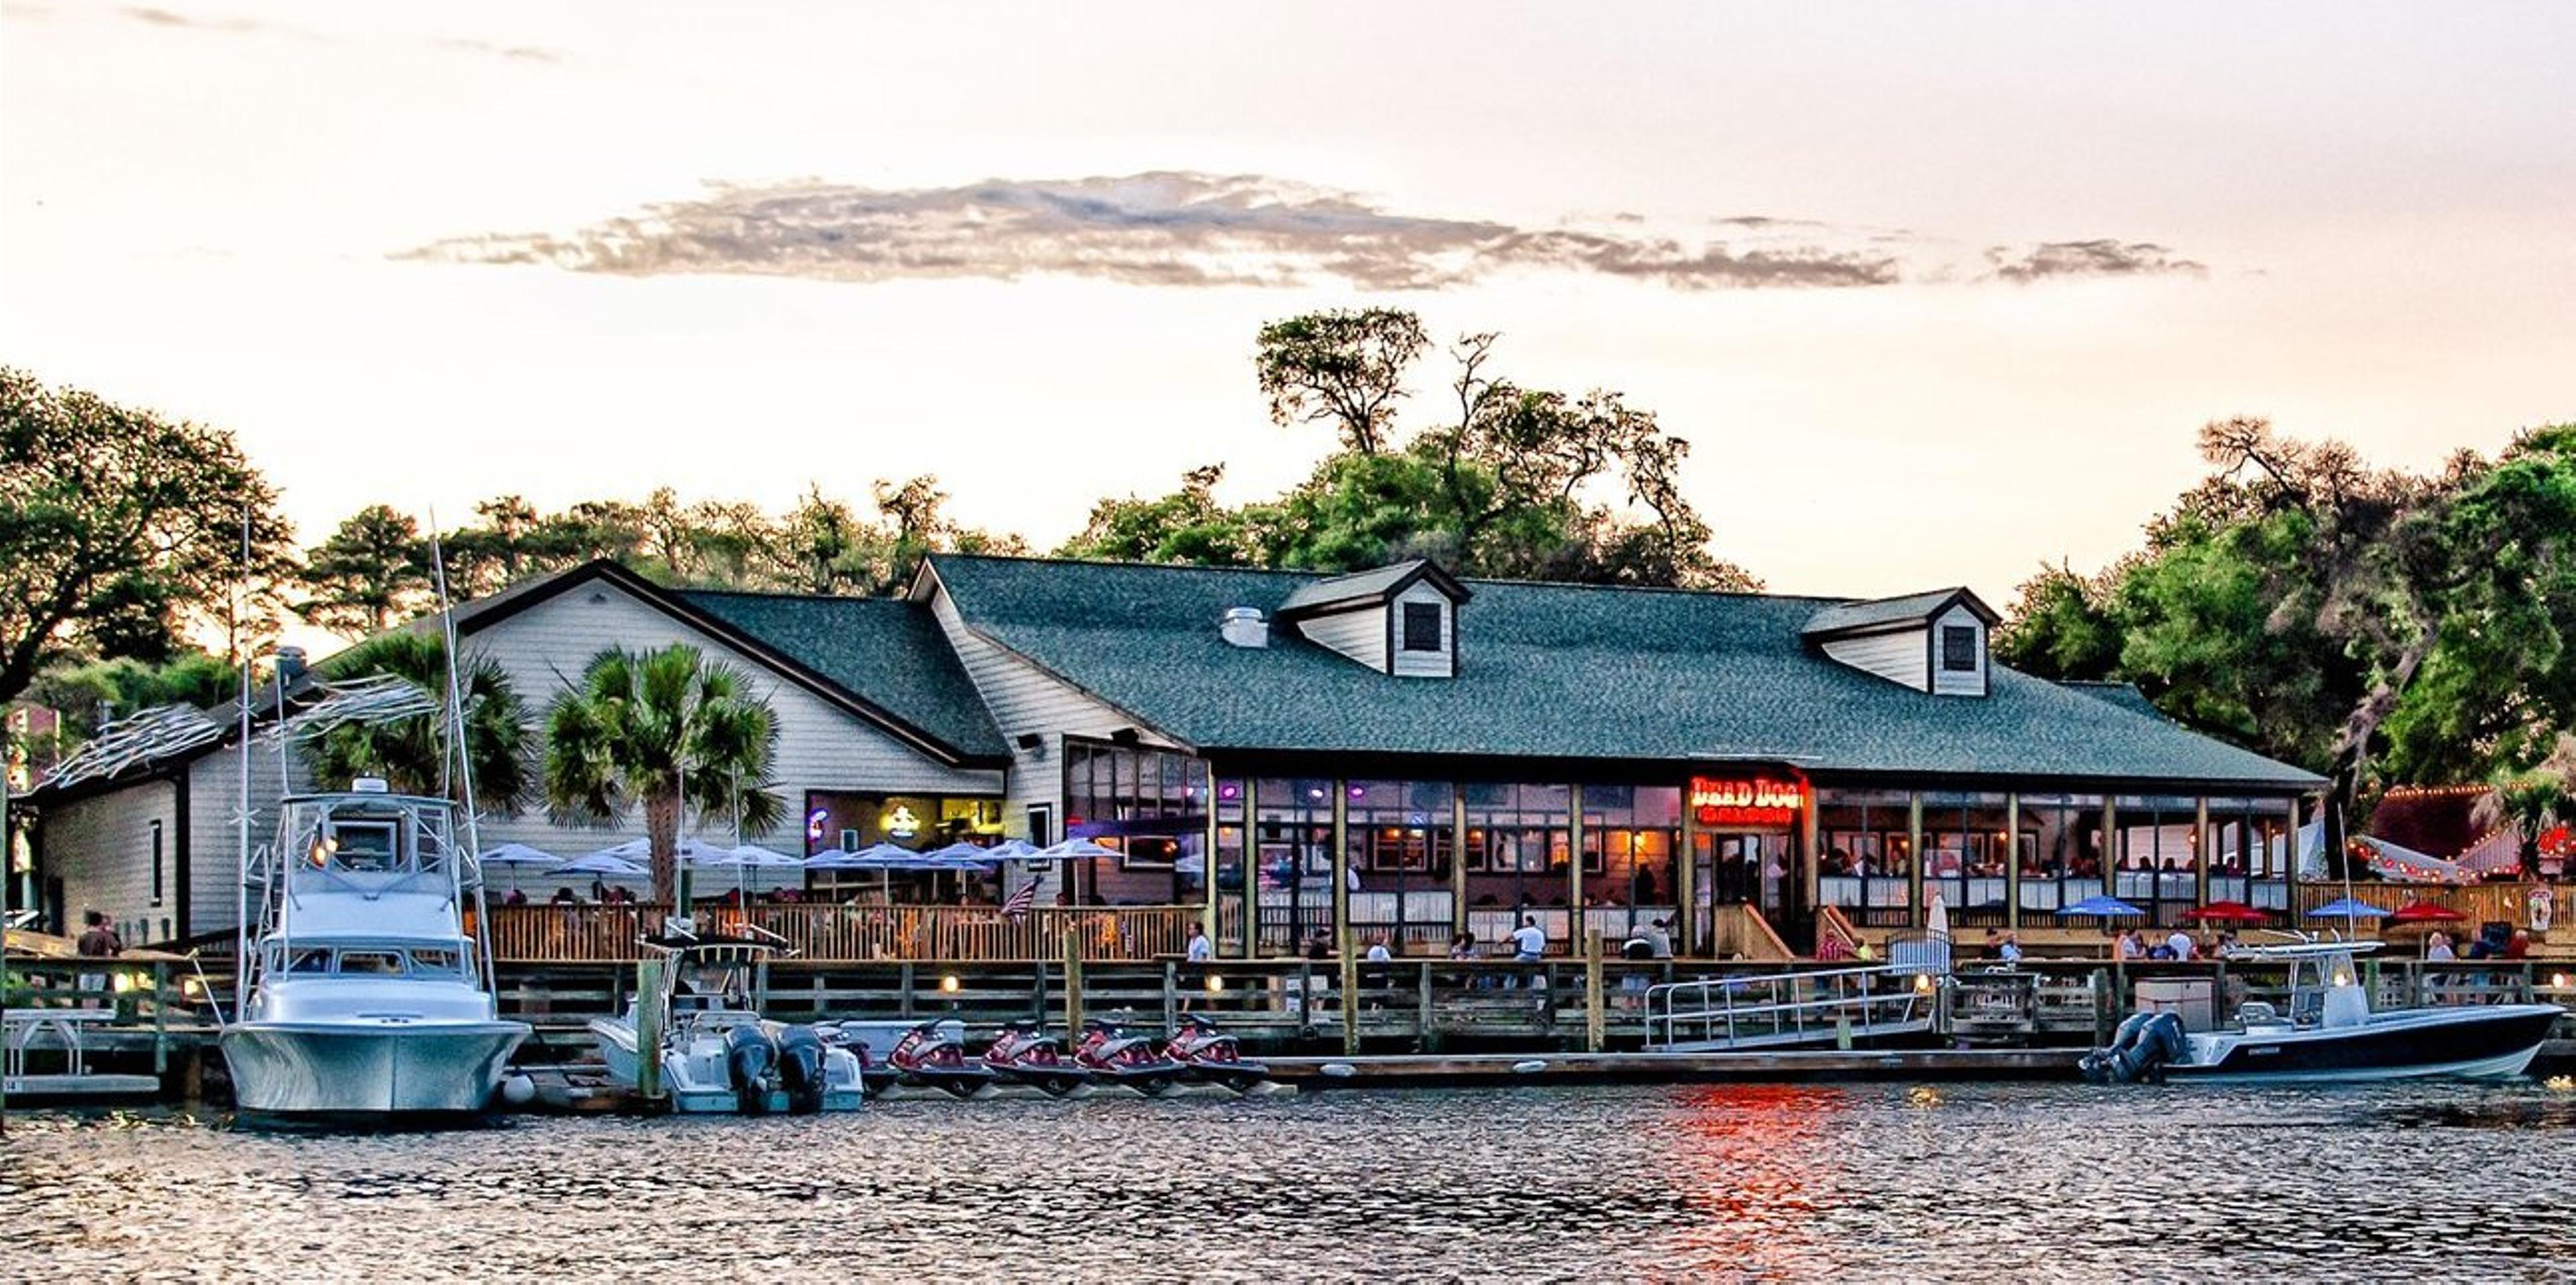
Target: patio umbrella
[[604, 864], [515, 857], [2348, 908], [961, 853], [1071, 850], [2425, 912], [2104, 907], [1011, 850], [2229, 912]]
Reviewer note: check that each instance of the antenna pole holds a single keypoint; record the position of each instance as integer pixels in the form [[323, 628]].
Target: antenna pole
[[456, 742]]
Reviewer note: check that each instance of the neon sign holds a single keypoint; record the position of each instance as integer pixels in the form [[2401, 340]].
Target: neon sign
[[901, 823], [815, 823], [1758, 801]]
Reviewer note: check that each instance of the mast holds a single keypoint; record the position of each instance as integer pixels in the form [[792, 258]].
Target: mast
[[464, 768], [243, 941]]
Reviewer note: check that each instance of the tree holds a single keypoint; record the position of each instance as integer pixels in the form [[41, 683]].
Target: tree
[[1345, 366], [372, 572], [118, 529], [411, 754], [2533, 799], [665, 731]]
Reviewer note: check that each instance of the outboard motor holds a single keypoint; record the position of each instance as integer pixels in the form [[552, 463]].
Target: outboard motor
[[750, 1057], [800, 1069], [2138, 1052]]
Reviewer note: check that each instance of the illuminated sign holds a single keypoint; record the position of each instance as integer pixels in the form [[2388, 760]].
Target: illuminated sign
[[816, 822], [1757, 801], [901, 823]]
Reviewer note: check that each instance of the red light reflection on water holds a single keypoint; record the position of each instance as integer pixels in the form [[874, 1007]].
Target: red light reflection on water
[[1757, 1163]]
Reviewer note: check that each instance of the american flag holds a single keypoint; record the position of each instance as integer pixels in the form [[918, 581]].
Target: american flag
[[1018, 903]]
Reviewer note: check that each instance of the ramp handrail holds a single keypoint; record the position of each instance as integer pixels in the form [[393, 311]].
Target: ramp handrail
[[1775, 1006]]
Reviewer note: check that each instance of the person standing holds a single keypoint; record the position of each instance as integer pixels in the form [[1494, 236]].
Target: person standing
[[1529, 941], [98, 941], [2182, 946]]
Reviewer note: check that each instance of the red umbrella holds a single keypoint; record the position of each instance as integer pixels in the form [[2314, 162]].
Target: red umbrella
[[2424, 912], [2229, 912]]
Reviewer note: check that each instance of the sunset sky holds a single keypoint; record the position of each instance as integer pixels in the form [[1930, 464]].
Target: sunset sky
[[1936, 292]]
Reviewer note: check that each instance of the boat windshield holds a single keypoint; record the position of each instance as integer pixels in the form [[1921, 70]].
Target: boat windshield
[[441, 963]]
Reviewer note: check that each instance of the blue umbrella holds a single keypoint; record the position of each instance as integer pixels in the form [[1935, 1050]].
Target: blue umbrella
[[2099, 905], [2348, 908]]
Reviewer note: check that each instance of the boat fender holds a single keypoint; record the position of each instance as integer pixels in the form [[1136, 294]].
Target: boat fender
[[518, 1090], [749, 1059], [800, 1068]]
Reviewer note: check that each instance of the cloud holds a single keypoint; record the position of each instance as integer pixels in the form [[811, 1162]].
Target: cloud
[[1179, 228], [2053, 259], [165, 18], [1164, 228], [522, 53]]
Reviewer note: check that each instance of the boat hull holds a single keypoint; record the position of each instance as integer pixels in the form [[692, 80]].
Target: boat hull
[[2484, 1043], [354, 1071]]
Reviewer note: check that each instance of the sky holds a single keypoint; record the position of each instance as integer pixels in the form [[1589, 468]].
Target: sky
[[1937, 293]]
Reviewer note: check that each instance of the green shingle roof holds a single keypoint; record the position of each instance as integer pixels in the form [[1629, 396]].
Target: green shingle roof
[[1881, 613], [1559, 671], [888, 652]]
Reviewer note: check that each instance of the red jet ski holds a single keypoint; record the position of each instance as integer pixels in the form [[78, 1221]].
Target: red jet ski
[[1115, 1057], [927, 1056], [1025, 1055], [1211, 1056]]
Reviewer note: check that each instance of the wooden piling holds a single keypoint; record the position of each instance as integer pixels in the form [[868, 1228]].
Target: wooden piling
[[1350, 985], [648, 1028], [1595, 1017], [1072, 986], [1424, 1037]]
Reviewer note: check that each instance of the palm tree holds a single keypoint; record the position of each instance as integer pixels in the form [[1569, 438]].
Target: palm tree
[[2534, 799], [410, 753], [668, 731]]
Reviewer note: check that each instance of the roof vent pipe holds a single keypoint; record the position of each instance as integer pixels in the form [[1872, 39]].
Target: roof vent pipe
[[1244, 627]]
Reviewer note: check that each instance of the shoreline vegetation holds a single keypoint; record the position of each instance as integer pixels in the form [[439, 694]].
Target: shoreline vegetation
[[2377, 626]]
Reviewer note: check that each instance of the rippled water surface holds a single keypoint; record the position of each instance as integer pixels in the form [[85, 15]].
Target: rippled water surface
[[2007, 1182]]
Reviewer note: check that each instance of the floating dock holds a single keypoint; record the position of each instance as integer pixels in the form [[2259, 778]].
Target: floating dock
[[1508, 1069]]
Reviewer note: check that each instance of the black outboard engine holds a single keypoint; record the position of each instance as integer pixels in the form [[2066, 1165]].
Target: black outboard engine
[[2138, 1052], [800, 1069], [749, 1059]]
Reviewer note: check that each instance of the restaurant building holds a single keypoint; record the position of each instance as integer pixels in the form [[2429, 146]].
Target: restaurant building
[[1414, 755]]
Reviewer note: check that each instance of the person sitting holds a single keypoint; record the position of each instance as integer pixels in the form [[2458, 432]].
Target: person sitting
[[564, 897], [516, 898]]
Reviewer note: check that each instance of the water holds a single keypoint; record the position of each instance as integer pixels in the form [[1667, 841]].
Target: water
[[1989, 1182]]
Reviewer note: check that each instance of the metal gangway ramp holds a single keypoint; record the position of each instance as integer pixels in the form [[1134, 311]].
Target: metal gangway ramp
[[1776, 1010]]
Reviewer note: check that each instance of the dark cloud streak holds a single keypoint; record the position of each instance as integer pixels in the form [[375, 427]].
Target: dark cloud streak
[[1174, 228]]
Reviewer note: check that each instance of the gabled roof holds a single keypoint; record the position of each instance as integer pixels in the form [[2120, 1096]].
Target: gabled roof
[[1872, 615], [2125, 695], [889, 651], [1561, 672], [869, 666], [1366, 588]]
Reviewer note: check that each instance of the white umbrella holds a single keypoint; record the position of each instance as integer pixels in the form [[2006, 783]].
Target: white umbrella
[[961, 853], [1011, 850], [689, 851], [604, 864], [516, 856], [1071, 850], [754, 855]]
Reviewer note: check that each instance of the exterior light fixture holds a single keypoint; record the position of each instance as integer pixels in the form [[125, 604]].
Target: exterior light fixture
[[949, 984], [1215, 984]]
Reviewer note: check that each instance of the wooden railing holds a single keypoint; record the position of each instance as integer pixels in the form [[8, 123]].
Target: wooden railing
[[2478, 903], [586, 933]]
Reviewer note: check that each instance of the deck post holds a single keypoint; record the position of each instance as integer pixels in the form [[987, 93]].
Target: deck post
[[903, 978], [2202, 849], [2012, 861], [1172, 994], [1457, 857], [1341, 864], [1576, 919], [648, 1028], [1685, 883], [1251, 866], [1208, 919], [1915, 917], [1072, 985], [1595, 1021]]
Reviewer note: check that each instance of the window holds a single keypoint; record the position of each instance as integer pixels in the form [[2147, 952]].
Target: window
[[1958, 649], [1422, 626], [156, 863]]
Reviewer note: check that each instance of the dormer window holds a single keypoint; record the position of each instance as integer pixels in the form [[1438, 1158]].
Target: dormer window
[[1400, 620], [1958, 649], [1932, 642], [1421, 626]]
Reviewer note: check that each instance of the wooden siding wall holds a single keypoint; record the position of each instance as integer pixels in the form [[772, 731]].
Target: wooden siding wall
[[101, 848], [1969, 683], [1427, 664], [1026, 700], [214, 854], [1360, 635], [821, 746], [1900, 657]]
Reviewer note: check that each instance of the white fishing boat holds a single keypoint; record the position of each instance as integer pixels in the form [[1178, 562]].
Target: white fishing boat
[[366, 999], [2329, 1034], [716, 1054]]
